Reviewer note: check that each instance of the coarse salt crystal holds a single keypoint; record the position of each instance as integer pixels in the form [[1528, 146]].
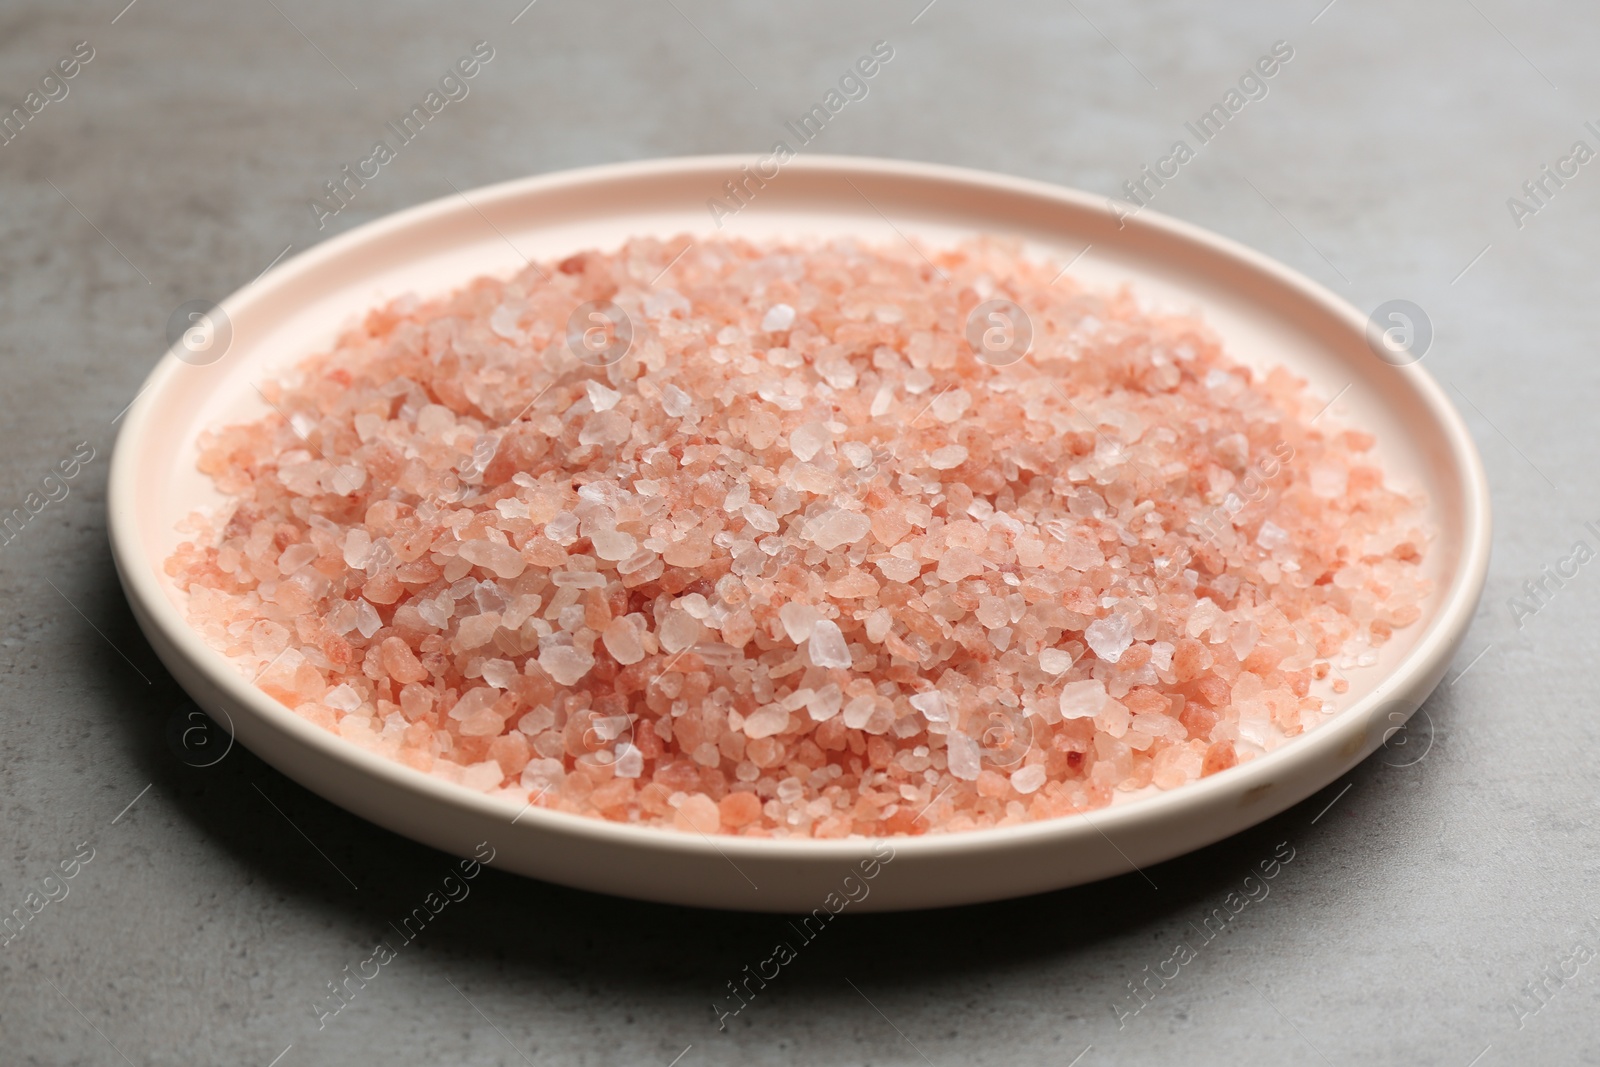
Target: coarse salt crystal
[[965, 759], [367, 620], [622, 641], [1083, 700], [798, 620], [601, 397], [1054, 660], [565, 664], [1028, 779], [1109, 637], [342, 698], [950, 406], [825, 703], [605, 428], [932, 706], [675, 401], [834, 528], [613, 545], [807, 440], [766, 721], [779, 317], [826, 645]]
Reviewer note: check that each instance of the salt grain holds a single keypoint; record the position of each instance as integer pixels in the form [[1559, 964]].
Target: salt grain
[[778, 318], [798, 620], [1082, 700], [826, 645], [565, 664]]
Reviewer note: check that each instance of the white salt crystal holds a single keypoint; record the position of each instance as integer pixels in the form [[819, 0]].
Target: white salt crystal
[[629, 762], [882, 401], [1054, 660], [827, 646], [678, 630], [342, 698], [565, 664], [878, 624], [1243, 639], [963, 757], [932, 706], [1256, 728], [503, 321], [499, 673], [474, 701], [294, 557], [601, 397], [613, 545], [950, 406], [434, 419], [992, 612], [807, 439], [858, 455], [798, 620], [357, 545], [1110, 636], [622, 641], [858, 711], [1082, 700], [503, 560], [663, 302], [1113, 718], [541, 775], [636, 562], [779, 317], [1272, 536], [1028, 779], [759, 517], [947, 458], [766, 721], [1202, 616], [834, 528], [367, 620], [825, 703], [737, 497], [342, 619], [577, 580], [675, 402], [838, 373], [605, 428], [562, 528], [797, 699], [436, 610], [483, 776], [610, 727]]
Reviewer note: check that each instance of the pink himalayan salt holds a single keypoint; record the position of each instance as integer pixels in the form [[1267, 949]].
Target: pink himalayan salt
[[799, 564]]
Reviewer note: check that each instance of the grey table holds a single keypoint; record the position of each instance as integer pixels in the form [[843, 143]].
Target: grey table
[[1435, 910]]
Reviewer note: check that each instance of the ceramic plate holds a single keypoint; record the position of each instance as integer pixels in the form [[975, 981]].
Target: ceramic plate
[[1266, 314]]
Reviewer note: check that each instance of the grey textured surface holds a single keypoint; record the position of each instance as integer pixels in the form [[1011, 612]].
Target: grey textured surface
[[1417, 908]]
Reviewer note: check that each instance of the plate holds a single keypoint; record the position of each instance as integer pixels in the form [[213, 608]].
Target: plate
[[1266, 314]]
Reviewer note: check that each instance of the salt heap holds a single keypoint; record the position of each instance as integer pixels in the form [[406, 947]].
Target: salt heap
[[798, 563]]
